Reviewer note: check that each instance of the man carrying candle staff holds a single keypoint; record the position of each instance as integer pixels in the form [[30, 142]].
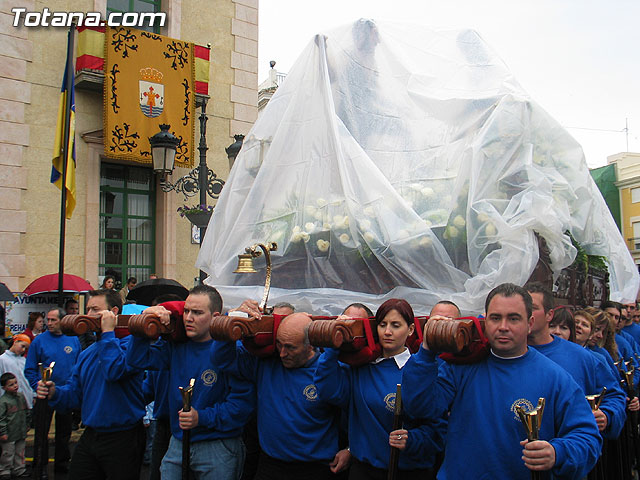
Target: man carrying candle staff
[[109, 392], [298, 432], [221, 403], [53, 346], [485, 437], [589, 371]]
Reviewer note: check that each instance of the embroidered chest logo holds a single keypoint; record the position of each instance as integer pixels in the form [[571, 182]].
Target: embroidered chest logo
[[209, 377], [310, 392], [390, 401], [68, 349], [523, 403]]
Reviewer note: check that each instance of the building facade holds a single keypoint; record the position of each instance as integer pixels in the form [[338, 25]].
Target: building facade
[[627, 167], [123, 222]]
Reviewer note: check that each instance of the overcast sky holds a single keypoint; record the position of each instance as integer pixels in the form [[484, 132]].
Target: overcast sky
[[578, 59]]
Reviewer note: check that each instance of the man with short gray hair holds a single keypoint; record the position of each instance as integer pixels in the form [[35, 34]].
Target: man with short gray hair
[[53, 346], [288, 405]]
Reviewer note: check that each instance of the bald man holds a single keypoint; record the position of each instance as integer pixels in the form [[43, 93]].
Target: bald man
[[445, 308], [298, 432]]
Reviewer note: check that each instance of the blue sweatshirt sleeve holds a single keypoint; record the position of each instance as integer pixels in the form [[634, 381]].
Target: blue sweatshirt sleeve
[[577, 443], [332, 379], [148, 390], [614, 403], [145, 355], [31, 371], [224, 355], [234, 411], [427, 393], [112, 357], [69, 395], [428, 437]]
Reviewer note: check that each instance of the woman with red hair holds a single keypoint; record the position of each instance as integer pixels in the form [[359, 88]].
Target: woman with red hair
[[368, 392]]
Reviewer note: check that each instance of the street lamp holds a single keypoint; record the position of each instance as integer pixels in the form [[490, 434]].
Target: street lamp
[[163, 150]]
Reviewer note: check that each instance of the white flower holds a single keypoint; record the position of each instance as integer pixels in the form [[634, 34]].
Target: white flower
[[305, 237], [402, 234], [427, 192], [326, 226], [490, 230], [426, 242], [459, 221], [318, 215], [452, 231], [296, 229], [344, 238], [369, 211], [364, 224], [296, 237], [341, 222], [310, 210], [368, 237], [322, 245], [310, 227], [483, 217], [321, 202]]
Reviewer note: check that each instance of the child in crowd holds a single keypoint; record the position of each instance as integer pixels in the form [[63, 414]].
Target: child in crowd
[[13, 429]]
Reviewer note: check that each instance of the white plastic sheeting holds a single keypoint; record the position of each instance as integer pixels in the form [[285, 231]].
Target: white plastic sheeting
[[399, 161]]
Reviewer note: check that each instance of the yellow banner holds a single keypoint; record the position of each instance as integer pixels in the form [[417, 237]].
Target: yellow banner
[[149, 80]]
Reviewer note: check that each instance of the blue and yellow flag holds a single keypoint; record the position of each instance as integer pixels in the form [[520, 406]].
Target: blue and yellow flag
[[56, 168]]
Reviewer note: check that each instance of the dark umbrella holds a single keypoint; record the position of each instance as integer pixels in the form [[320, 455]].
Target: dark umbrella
[[145, 292], [49, 283], [5, 293]]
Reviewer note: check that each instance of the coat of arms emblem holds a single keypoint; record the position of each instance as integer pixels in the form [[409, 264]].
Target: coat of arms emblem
[[151, 92]]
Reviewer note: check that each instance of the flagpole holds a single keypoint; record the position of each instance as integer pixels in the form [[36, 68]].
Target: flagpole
[[65, 159]]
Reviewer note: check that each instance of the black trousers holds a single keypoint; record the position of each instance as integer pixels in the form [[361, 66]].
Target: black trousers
[[270, 468], [159, 446], [364, 471], [108, 456], [251, 442], [63, 433]]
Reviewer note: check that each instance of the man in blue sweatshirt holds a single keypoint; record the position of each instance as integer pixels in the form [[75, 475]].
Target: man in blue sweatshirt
[[109, 392], [485, 437], [298, 432], [589, 371], [221, 402], [53, 346], [627, 346]]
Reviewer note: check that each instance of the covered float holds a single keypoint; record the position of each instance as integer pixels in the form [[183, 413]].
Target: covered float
[[402, 161]]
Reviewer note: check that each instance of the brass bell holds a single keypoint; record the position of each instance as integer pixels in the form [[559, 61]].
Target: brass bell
[[245, 264]]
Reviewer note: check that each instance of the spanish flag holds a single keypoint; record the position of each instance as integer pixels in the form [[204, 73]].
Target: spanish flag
[[61, 132]]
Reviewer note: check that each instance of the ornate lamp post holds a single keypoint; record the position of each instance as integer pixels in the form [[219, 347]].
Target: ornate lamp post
[[201, 179]]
